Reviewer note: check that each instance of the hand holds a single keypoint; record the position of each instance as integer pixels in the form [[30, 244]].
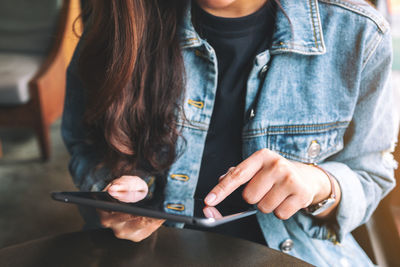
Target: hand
[[127, 226], [211, 212], [275, 184]]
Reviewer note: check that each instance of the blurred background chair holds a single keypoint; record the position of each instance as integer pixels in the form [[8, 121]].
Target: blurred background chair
[[380, 236], [36, 44]]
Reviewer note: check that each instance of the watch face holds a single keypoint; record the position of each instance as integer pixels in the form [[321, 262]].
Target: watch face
[[321, 207]]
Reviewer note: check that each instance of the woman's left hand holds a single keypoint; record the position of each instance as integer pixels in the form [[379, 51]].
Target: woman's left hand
[[275, 184]]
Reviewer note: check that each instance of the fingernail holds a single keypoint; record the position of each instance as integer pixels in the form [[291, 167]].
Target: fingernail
[[115, 187], [208, 213], [210, 198]]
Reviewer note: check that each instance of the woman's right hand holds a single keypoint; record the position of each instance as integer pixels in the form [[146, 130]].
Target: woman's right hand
[[127, 226]]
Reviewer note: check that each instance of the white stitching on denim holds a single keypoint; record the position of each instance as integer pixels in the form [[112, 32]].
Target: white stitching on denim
[[298, 129], [297, 132], [378, 39], [296, 49], [191, 126], [321, 37], [356, 9], [313, 25]]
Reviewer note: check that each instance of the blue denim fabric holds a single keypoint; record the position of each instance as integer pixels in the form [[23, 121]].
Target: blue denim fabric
[[325, 80]]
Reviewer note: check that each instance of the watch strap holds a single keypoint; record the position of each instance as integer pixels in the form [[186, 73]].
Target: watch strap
[[320, 207]]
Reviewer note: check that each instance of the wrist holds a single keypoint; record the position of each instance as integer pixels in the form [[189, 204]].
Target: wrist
[[319, 181], [325, 185], [326, 206]]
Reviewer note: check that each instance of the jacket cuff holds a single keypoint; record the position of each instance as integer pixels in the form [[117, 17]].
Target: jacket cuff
[[351, 211]]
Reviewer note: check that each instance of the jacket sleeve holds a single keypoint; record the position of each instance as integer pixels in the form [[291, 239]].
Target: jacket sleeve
[[84, 157], [365, 167]]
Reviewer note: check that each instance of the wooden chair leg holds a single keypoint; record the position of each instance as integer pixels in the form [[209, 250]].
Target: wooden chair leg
[[1, 150], [43, 134]]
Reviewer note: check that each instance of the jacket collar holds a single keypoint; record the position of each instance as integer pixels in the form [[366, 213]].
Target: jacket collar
[[298, 29]]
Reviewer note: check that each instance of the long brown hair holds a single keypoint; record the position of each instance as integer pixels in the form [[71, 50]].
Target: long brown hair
[[131, 65]]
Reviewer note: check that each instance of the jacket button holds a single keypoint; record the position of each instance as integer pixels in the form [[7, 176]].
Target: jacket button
[[287, 245], [252, 114], [263, 70], [314, 149]]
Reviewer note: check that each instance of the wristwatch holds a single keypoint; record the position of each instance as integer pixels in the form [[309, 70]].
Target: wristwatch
[[322, 206]]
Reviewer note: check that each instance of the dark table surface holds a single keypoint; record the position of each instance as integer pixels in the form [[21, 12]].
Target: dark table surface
[[166, 247]]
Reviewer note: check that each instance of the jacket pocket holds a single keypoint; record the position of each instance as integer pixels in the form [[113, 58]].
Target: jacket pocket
[[308, 143]]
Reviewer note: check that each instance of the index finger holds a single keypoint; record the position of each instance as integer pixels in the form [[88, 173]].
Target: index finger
[[241, 174]]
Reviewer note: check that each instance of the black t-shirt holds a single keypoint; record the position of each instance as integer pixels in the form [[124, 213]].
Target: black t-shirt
[[236, 42]]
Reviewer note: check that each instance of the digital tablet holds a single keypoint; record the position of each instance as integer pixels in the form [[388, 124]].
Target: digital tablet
[[202, 215]]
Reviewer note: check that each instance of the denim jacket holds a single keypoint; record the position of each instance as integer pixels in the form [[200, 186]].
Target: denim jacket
[[320, 94]]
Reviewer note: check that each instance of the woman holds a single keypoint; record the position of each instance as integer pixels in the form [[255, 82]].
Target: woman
[[289, 98]]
